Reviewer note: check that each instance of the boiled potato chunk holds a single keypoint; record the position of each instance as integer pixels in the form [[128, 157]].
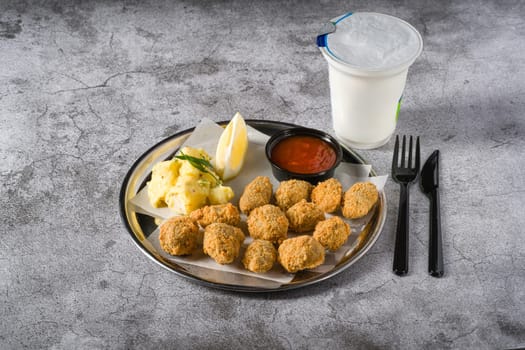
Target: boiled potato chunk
[[220, 194], [209, 178], [187, 195], [163, 176], [188, 170]]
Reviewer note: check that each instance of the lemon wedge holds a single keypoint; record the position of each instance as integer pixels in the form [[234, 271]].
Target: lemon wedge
[[232, 147]]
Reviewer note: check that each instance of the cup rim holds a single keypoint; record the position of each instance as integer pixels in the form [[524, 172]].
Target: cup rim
[[356, 70]]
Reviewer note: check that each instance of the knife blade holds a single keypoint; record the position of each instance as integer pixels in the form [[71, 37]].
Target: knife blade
[[429, 183]]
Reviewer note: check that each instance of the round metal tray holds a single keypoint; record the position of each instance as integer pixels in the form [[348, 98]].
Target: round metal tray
[[140, 226]]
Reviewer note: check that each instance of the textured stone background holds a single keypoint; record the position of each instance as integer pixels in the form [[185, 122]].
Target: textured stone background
[[86, 88]]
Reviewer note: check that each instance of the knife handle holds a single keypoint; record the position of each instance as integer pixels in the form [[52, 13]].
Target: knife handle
[[401, 246], [435, 249]]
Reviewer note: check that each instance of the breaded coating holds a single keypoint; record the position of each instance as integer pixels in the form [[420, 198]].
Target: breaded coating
[[327, 195], [359, 200], [292, 191], [303, 216], [179, 235], [269, 223], [222, 242], [300, 253], [332, 233], [225, 213], [256, 194], [259, 256]]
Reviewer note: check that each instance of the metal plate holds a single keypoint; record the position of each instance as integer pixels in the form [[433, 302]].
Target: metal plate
[[140, 226]]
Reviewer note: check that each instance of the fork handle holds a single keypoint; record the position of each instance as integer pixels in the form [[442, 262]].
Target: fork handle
[[401, 247]]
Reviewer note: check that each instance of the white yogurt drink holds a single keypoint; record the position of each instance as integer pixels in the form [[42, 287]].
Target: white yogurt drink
[[368, 57]]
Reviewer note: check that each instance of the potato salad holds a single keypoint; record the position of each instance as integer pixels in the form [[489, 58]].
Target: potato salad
[[187, 182]]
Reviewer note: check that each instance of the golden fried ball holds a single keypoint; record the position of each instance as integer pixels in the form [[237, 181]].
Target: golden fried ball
[[259, 256], [179, 235], [292, 191], [222, 242], [225, 213], [327, 195], [269, 223], [256, 194], [303, 216], [300, 253], [332, 233], [359, 200]]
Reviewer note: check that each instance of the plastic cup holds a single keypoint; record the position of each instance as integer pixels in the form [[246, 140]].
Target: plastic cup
[[368, 57]]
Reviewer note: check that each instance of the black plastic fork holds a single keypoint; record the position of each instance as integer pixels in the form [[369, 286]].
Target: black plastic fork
[[404, 174]]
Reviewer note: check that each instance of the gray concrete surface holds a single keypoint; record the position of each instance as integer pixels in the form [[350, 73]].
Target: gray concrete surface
[[86, 88]]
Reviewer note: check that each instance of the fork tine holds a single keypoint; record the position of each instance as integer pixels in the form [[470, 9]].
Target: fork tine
[[396, 151], [409, 152], [403, 152], [417, 154]]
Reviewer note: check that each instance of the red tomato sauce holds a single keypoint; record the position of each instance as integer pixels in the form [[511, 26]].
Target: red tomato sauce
[[303, 154]]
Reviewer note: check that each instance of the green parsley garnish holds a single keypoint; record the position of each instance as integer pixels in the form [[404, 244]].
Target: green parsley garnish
[[201, 164]]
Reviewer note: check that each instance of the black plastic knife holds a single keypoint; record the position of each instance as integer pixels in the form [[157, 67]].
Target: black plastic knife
[[429, 183]]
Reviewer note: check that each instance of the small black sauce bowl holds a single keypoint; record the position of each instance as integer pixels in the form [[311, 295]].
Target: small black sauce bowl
[[282, 174]]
